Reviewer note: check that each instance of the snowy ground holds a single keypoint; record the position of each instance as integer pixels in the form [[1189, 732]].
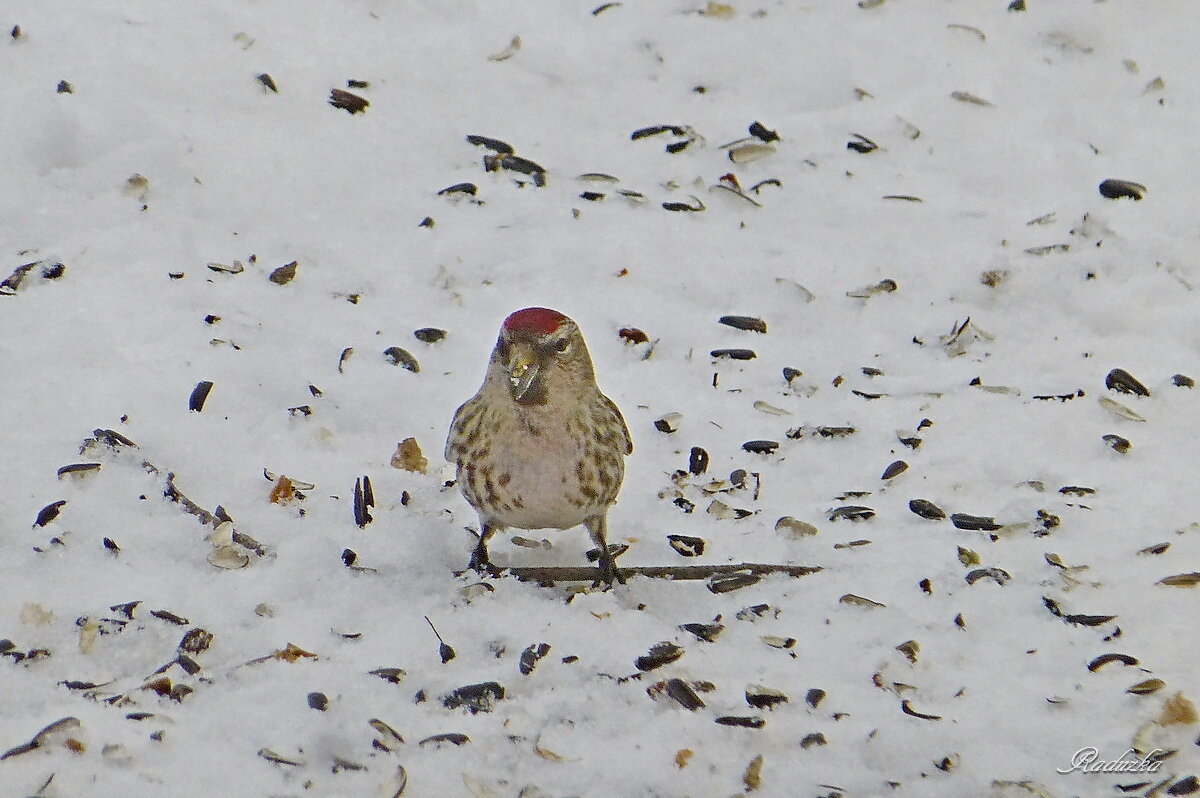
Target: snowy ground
[[229, 171]]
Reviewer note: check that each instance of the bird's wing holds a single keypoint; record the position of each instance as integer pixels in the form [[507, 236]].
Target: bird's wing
[[616, 411], [461, 429]]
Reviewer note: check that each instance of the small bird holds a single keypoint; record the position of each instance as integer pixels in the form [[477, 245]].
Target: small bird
[[539, 446]]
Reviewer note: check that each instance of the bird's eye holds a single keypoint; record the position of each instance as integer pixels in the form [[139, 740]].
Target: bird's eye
[[562, 345]]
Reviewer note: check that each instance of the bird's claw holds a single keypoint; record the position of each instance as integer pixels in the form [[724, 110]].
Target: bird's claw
[[608, 574]]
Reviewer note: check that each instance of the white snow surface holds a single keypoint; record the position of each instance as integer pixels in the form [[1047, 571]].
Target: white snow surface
[[1077, 92]]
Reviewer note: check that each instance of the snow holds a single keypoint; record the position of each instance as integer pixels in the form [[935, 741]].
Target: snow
[[235, 172]]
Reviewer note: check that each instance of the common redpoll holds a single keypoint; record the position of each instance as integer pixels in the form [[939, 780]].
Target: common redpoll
[[539, 446]]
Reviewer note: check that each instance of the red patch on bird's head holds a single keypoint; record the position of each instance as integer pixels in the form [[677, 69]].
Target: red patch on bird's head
[[541, 321]]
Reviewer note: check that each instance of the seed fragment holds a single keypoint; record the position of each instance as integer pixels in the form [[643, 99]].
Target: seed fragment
[[1183, 381], [530, 656], [697, 461], [814, 697], [495, 145], [813, 739]]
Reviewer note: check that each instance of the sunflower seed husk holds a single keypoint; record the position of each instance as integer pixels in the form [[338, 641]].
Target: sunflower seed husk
[[669, 423], [391, 675], [1114, 188], [894, 470], [760, 697], [775, 641], [454, 738], [1119, 444], [348, 101], [974, 522], [1181, 580], [199, 396], [78, 469], [1113, 406], [508, 52], [813, 739], [474, 698], [752, 776], [910, 649], [885, 286], [746, 153], [795, 528], [859, 601], [734, 354], [708, 632], [927, 509], [1121, 380], [495, 145], [284, 274], [749, 323], [750, 722], [679, 691], [228, 557], [726, 583], [401, 357], [906, 708], [1147, 687], [660, 654], [998, 575], [761, 447], [1104, 659], [279, 759], [49, 513], [851, 512], [686, 545], [970, 99], [1182, 381]]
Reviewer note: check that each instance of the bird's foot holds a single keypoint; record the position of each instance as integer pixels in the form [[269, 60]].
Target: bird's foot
[[608, 573], [480, 563]]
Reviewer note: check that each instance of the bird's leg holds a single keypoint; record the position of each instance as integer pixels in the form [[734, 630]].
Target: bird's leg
[[597, 527], [479, 556]]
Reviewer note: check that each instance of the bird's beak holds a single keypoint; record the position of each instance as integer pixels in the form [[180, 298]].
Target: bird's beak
[[522, 371]]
